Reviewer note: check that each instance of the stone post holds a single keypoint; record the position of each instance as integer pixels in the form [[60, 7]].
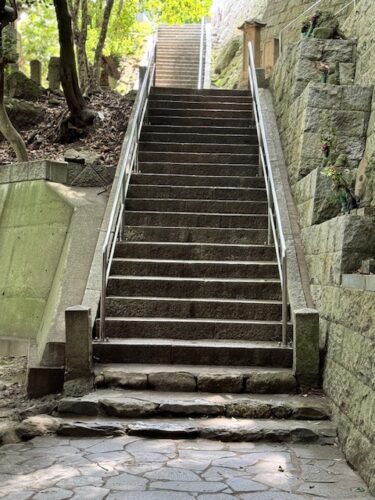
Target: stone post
[[251, 33], [54, 74], [78, 346], [36, 71], [306, 347], [271, 55]]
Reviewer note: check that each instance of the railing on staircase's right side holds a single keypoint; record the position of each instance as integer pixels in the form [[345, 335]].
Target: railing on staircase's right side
[[275, 229]]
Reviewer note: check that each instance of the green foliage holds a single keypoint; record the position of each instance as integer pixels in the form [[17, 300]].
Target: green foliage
[[177, 11], [39, 35]]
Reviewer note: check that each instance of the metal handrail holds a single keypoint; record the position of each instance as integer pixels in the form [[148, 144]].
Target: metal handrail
[[301, 16], [201, 55], [275, 229], [128, 163]]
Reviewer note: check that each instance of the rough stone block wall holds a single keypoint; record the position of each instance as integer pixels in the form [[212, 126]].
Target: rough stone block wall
[[347, 332], [360, 24]]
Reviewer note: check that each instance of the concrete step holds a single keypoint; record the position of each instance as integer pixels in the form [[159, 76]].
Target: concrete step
[[202, 352], [227, 309], [217, 139], [226, 97], [196, 235], [178, 147], [195, 251], [204, 288], [201, 112], [196, 206], [171, 70], [183, 157], [197, 180], [175, 61], [203, 92], [191, 219], [203, 132], [210, 169], [219, 428], [194, 268], [167, 84], [171, 103], [197, 193], [191, 121], [190, 378], [143, 404], [192, 328]]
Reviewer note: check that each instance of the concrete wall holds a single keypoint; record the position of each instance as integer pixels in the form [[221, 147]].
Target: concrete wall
[[33, 227], [48, 235]]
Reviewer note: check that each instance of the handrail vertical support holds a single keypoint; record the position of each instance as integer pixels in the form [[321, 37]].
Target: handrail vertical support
[[201, 55], [285, 302]]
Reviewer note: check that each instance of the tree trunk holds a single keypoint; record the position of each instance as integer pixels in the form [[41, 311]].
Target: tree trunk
[[80, 115], [80, 38], [100, 45], [6, 127]]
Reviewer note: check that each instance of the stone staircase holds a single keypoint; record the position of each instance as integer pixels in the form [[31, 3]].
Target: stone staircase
[[194, 298], [177, 57]]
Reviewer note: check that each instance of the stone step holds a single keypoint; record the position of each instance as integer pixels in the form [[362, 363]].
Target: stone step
[[171, 71], [201, 112], [208, 104], [197, 180], [191, 219], [229, 99], [196, 206], [211, 169], [196, 235], [168, 84], [216, 139], [197, 193], [191, 329], [211, 379], [194, 268], [162, 286], [201, 352], [194, 251], [202, 132], [144, 404], [183, 157], [178, 147], [219, 428], [174, 62], [203, 92], [190, 121], [161, 307]]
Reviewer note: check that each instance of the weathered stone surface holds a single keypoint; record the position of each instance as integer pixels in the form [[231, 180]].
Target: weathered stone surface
[[128, 408], [263, 383], [192, 408], [220, 383], [245, 409], [7, 432], [37, 426], [225, 57], [111, 378], [162, 430], [19, 86], [78, 407], [90, 429], [24, 114], [172, 381], [84, 156]]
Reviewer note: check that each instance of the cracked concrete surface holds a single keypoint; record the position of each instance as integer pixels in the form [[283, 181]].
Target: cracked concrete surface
[[131, 468]]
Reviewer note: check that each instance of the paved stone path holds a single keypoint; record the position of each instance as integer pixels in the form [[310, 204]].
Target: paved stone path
[[130, 468]]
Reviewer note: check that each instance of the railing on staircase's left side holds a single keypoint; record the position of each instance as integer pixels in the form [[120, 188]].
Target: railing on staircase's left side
[[275, 228], [127, 164]]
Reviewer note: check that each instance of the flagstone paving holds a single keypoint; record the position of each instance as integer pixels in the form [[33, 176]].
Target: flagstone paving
[[131, 468]]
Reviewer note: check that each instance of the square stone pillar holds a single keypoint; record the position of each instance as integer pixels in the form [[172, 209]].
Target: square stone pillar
[[306, 347], [251, 33], [78, 347], [271, 55]]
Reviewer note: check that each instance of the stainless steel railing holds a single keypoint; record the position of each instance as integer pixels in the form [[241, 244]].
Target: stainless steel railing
[[201, 55], [128, 163], [301, 16], [275, 229]]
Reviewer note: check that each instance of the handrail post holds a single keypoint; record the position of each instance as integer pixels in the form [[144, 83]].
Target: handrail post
[[284, 301], [103, 296]]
